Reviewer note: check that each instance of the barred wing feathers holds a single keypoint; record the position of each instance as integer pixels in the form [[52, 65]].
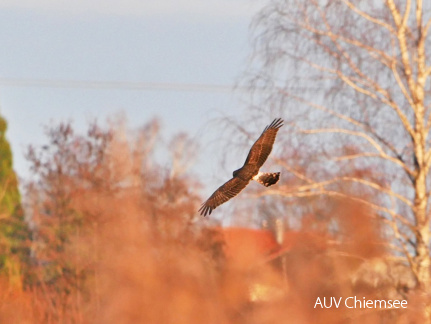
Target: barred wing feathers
[[261, 149], [257, 156], [227, 191]]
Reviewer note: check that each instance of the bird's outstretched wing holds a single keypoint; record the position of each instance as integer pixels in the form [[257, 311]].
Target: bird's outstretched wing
[[227, 191], [260, 150]]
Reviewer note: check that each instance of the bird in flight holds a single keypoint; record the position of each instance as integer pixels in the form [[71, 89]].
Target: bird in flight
[[257, 156]]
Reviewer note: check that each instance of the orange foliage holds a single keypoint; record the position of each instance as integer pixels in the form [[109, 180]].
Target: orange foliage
[[132, 252]]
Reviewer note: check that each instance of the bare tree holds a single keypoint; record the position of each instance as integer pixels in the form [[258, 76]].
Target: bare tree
[[352, 79], [184, 152]]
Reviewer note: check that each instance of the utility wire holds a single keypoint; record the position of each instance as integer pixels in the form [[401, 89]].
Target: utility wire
[[127, 85], [121, 85]]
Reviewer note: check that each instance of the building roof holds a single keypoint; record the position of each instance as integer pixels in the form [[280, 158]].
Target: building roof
[[252, 246]]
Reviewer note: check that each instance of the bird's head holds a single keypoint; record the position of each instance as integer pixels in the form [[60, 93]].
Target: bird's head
[[236, 172]]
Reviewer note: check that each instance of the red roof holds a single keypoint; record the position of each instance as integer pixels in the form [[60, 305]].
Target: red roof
[[250, 246]]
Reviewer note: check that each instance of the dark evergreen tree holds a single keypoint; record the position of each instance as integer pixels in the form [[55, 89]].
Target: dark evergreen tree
[[14, 231]]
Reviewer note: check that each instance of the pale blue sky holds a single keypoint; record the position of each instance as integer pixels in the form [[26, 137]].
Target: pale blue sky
[[179, 42]]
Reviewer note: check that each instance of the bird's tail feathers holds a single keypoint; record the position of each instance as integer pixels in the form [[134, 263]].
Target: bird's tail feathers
[[267, 178]]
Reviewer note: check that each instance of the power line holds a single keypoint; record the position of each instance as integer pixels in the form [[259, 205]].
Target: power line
[[127, 85], [120, 85]]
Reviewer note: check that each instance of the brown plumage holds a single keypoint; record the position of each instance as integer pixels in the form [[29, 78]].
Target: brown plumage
[[257, 156]]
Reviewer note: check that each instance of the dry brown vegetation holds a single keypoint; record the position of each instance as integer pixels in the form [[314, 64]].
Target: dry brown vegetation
[[115, 240]]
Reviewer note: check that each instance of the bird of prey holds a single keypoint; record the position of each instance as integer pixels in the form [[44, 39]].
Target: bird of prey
[[257, 156]]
